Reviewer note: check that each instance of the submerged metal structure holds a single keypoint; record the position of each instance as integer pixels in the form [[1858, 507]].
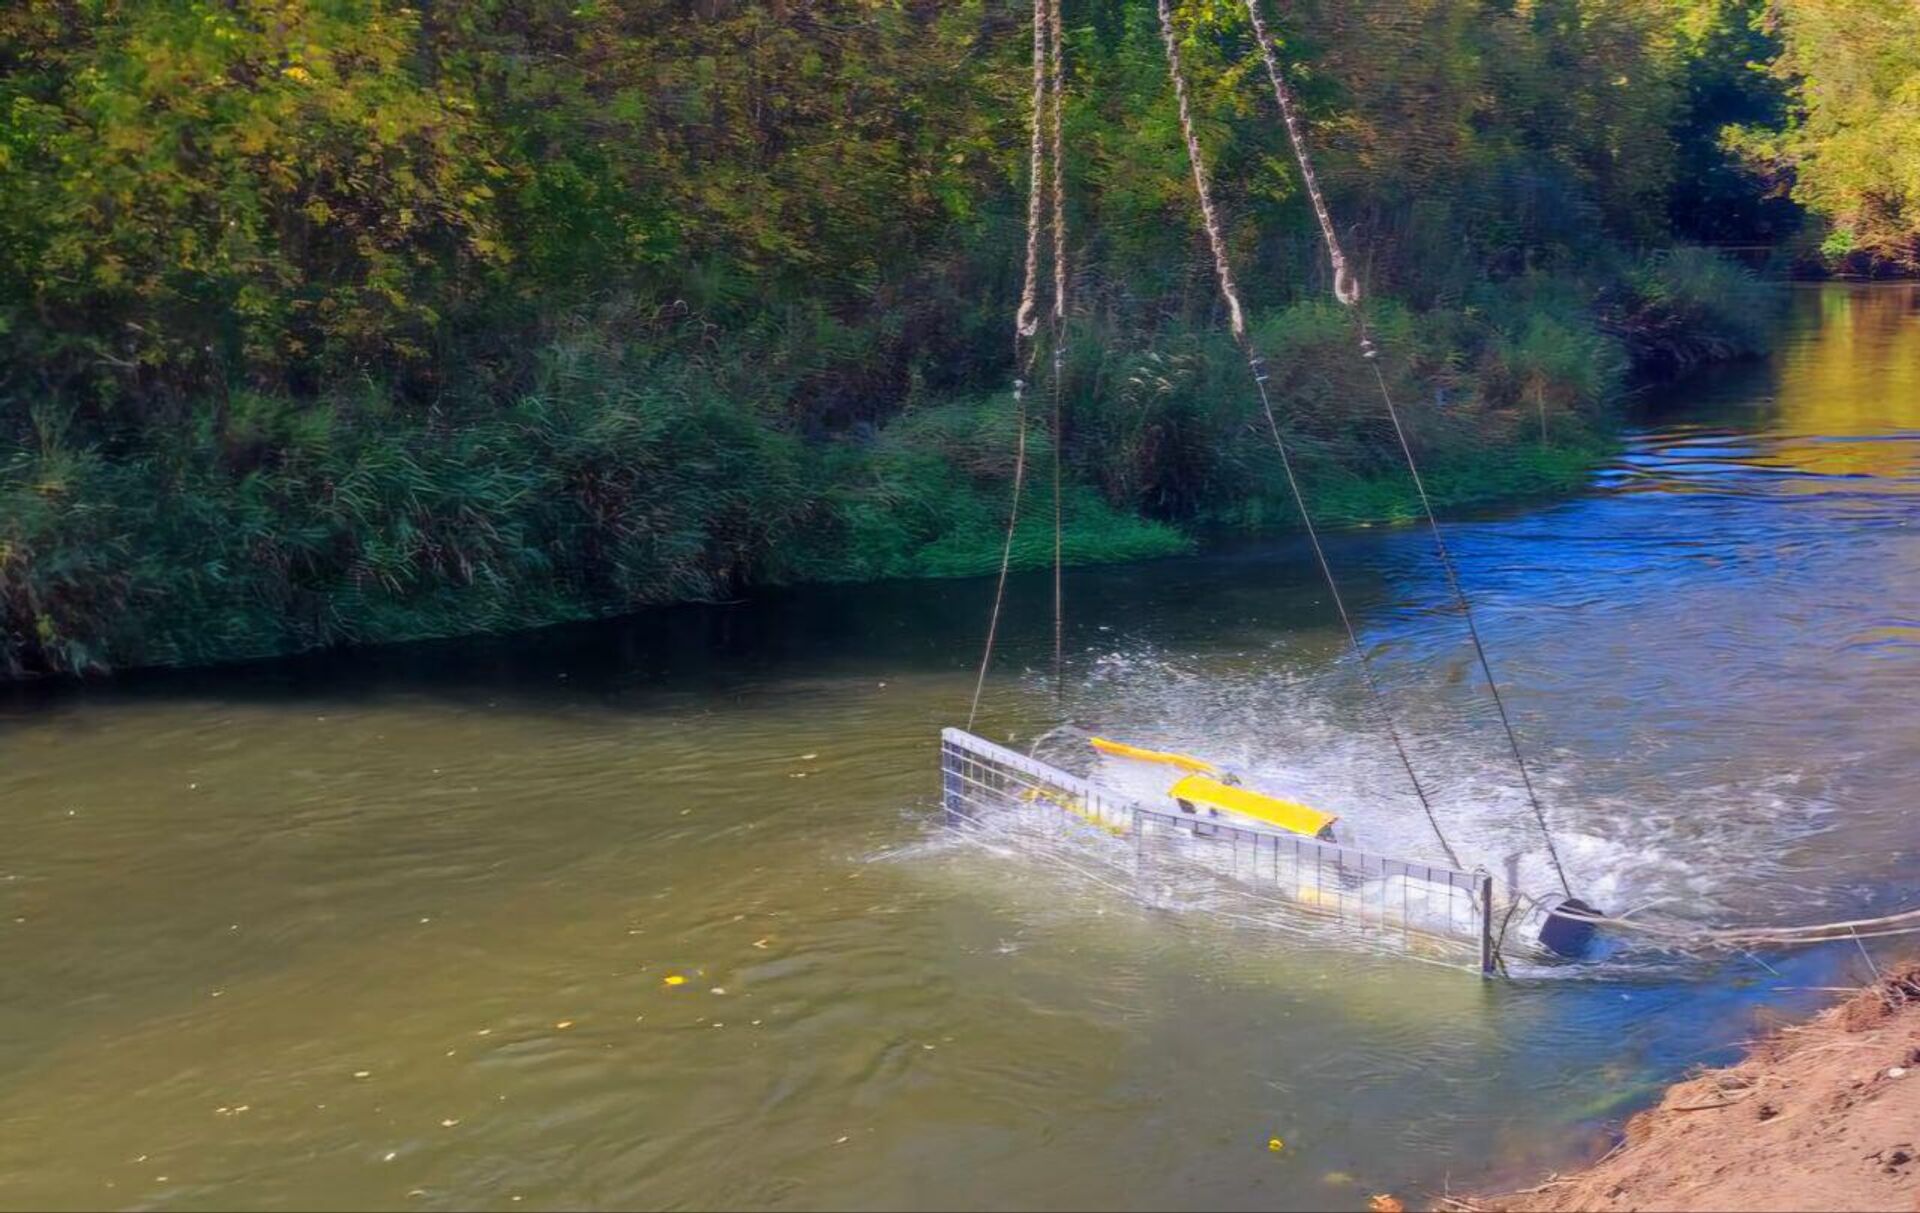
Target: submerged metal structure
[[1427, 911]]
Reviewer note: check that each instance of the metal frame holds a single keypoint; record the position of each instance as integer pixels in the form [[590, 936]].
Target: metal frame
[[1428, 911]]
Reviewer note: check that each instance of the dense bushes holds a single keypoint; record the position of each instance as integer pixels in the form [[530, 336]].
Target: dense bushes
[[359, 524], [263, 524], [354, 522]]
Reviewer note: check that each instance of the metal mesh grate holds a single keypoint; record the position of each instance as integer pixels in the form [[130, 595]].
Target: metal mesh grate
[[1431, 912]]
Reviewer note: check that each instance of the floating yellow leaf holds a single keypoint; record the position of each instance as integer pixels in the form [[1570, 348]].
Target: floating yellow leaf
[[1275, 1144], [674, 979]]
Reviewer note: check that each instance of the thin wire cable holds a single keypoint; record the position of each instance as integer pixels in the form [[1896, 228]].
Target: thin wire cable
[[1223, 270], [1347, 291], [1059, 544], [1466, 606], [1006, 555], [1258, 367]]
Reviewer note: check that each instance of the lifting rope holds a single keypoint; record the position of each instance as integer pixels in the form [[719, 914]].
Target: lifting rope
[[1346, 288], [1223, 271], [1046, 77], [1348, 293], [1055, 80]]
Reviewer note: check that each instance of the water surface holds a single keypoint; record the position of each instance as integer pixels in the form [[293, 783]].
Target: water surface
[[395, 928]]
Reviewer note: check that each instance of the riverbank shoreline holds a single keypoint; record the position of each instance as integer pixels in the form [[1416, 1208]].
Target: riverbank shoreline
[[220, 632], [1822, 1115]]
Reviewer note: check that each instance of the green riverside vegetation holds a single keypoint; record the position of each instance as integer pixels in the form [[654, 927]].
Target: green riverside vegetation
[[347, 321]]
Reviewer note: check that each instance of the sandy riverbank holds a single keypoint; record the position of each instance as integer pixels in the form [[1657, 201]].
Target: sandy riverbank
[[1823, 1115]]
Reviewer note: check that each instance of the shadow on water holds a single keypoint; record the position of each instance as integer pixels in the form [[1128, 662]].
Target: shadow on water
[[776, 635]]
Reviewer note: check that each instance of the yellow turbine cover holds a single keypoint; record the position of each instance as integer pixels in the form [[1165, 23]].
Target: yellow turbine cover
[[1204, 793], [1184, 762]]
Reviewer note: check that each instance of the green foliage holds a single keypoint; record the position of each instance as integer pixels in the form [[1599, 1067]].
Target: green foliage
[[201, 186], [349, 320], [1728, 46], [1850, 151]]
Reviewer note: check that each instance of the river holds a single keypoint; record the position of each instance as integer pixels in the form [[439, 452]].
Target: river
[[660, 912]]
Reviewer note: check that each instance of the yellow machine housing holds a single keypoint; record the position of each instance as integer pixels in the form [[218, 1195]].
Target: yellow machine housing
[[1198, 792]]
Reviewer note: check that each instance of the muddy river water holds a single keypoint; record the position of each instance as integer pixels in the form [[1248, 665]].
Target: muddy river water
[[661, 912]]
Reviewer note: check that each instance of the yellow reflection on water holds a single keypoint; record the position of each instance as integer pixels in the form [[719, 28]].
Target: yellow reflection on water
[[1848, 403]]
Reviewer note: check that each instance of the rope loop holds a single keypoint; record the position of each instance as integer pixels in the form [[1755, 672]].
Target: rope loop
[[1346, 288]]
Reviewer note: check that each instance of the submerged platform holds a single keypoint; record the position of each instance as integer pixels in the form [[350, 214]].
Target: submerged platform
[[1423, 910]]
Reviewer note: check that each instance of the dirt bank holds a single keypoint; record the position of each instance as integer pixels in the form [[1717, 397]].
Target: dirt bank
[[1825, 1115]]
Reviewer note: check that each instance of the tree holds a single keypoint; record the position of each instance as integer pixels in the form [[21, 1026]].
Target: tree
[[1851, 143]]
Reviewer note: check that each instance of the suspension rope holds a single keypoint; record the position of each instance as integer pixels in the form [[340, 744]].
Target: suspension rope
[[1906, 922], [1054, 70], [1346, 288], [1025, 325], [1347, 291], [1223, 271]]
